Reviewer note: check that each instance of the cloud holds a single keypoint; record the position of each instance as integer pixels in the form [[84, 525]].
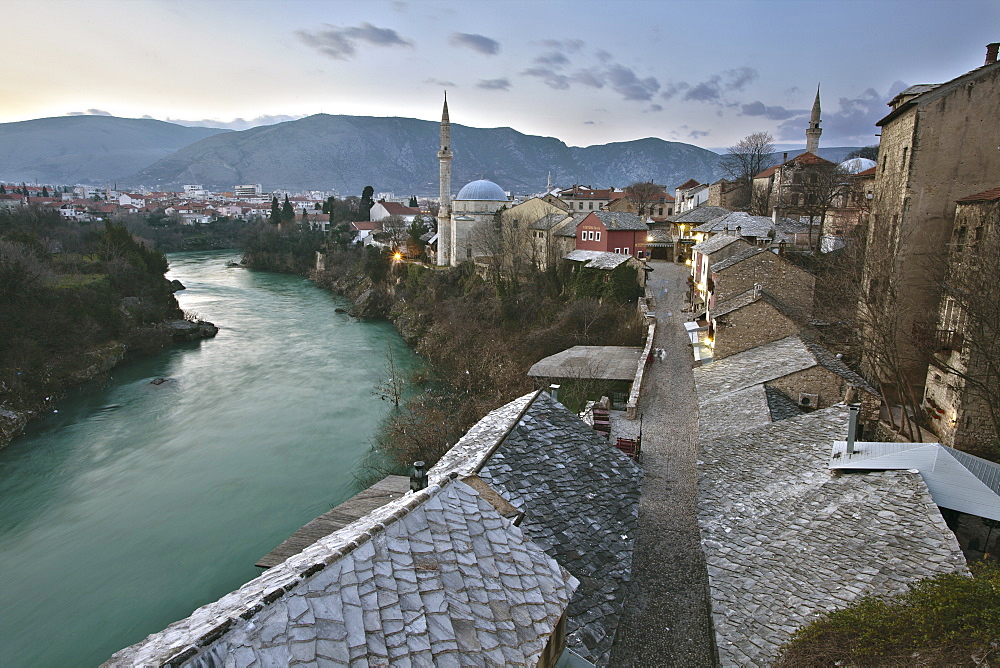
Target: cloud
[[850, 122], [439, 82], [587, 78], [695, 134], [494, 84], [775, 113], [625, 82], [341, 43], [590, 122], [552, 58], [480, 43], [571, 45], [236, 123], [89, 112], [656, 107], [399, 6], [715, 89], [549, 78]]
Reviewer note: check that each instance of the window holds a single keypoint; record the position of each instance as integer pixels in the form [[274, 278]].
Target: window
[[626, 251], [597, 236], [590, 235], [581, 206], [905, 151], [591, 206], [618, 250]]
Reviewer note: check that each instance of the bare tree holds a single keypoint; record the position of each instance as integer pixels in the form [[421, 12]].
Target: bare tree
[[744, 160], [644, 194], [814, 190], [965, 342], [507, 244], [395, 231]]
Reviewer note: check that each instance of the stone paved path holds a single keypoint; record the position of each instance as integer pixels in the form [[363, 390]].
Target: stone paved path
[[666, 619]]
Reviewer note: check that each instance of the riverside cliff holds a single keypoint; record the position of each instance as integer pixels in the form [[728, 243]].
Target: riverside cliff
[[75, 299]]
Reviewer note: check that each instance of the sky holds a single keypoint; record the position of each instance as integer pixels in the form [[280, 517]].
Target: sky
[[705, 72]]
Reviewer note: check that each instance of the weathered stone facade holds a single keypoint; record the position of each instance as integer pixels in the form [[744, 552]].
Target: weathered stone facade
[[818, 380], [773, 273], [749, 326], [958, 411], [938, 144]]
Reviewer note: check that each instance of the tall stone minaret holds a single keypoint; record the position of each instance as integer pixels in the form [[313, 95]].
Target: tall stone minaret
[[813, 131], [446, 232]]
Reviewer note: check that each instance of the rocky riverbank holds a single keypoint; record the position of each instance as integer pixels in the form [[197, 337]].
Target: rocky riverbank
[[64, 372]]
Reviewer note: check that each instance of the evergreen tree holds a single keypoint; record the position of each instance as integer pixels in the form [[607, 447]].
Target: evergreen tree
[[365, 208], [275, 211], [45, 191], [413, 201], [3, 191], [287, 212]]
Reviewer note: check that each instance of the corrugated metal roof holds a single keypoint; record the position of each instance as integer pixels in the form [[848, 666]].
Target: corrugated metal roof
[[956, 479]]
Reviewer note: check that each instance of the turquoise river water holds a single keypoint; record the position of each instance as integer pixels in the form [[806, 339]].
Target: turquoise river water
[[136, 503]]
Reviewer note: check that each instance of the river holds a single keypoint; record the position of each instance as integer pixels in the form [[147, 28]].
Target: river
[[136, 503]]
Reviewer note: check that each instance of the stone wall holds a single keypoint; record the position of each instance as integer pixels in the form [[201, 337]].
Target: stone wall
[[776, 275], [753, 325], [942, 148], [815, 380]]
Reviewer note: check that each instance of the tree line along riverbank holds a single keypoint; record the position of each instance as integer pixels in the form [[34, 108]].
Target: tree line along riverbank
[[75, 299], [478, 336]]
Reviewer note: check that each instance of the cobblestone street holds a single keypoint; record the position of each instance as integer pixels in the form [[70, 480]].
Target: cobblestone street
[[666, 618]]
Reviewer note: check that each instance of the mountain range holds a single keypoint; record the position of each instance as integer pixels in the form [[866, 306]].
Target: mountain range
[[326, 152], [88, 149]]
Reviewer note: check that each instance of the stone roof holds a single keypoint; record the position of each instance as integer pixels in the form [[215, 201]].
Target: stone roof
[[715, 243], [780, 405], [438, 576], [548, 221], [597, 259], [753, 367], [621, 220], [569, 230], [830, 361], [701, 214], [744, 254], [581, 503], [748, 226], [784, 540], [600, 362]]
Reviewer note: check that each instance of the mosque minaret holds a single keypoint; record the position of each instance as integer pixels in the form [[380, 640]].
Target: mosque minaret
[[814, 131], [446, 231]]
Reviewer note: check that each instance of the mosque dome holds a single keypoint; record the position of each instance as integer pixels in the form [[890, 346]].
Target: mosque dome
[[856, 165], [482, 190]]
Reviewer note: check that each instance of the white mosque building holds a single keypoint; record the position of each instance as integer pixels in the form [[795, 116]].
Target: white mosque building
[[476, 203]]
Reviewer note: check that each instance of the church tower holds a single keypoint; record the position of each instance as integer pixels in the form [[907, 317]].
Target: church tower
[[813, 131], [446, 231]]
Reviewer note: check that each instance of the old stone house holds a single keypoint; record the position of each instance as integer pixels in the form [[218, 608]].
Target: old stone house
[[703, 256], [753, 318], [761, 268], [729, 194], [939, 143], [535, 219], [657, 210], [962, 379]]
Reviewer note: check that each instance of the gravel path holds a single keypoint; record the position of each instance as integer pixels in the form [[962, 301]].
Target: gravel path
[[666, 621]]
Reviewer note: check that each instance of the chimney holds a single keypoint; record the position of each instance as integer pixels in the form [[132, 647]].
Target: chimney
[[554, 391], [418, 480], [784, 158], [991, 52], [852, 428]]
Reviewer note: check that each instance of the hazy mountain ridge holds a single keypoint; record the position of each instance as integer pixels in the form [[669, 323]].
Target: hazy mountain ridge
[[324, 152], [399, 154], [88, 149]]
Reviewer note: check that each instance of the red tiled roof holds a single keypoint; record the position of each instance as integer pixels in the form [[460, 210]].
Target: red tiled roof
[[365, 225], [808, 158], [868, 172], [690, 183], [767, 172], [985, 196]]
